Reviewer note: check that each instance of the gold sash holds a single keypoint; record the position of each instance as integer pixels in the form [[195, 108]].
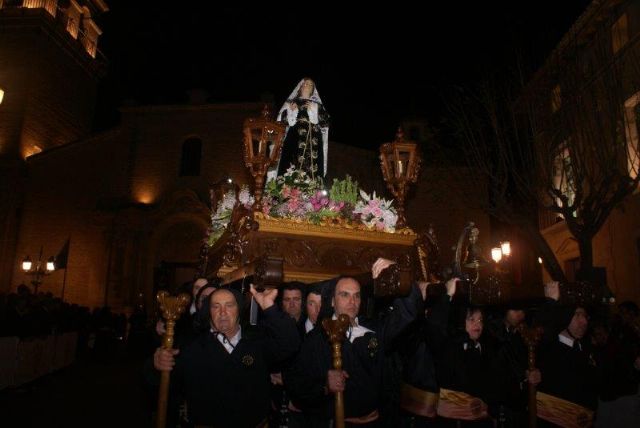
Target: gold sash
[[562, 412], [360, 420], [417, 401], [460, 405]]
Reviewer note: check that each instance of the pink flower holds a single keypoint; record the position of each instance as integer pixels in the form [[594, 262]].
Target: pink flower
[[293, 205], [380, 225], [286, 191], [377, 212], [336, 206], [295, 193]]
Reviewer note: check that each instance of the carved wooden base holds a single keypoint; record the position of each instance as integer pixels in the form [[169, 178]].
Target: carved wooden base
[[313, 253]]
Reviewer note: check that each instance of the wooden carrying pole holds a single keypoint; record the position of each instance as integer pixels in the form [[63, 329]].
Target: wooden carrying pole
[[171, 308], [531, 338], [337, 329]]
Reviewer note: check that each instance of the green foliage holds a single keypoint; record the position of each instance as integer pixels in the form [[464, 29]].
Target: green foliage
[[346, 191], [318, 216]]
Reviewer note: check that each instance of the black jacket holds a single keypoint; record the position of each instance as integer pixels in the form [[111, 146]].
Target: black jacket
[[512, 355], [569, 372], [363, 360], [466, 368], [232, 389], [420, 344]]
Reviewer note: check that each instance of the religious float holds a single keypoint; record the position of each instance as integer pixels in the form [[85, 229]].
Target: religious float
[[292, 226], [297, 228]]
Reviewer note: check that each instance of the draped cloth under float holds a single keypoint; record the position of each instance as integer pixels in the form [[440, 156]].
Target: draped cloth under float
[[459, 405], [306, 144], [562, 412], [447, 403]]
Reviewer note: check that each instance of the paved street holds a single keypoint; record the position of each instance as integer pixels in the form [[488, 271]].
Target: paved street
[[86, 394]]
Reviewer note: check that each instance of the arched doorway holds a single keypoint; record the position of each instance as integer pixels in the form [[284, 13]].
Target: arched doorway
[[177, 230]]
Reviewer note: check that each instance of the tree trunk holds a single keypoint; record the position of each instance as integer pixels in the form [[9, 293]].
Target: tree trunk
[[585, 244]]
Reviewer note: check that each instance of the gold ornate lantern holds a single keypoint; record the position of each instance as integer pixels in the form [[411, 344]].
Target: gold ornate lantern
[[400, 162], [262, 145]]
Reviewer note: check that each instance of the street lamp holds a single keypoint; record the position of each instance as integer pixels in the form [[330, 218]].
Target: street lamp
[[39, 270], [262, 145], [400, 163], [505, 247], [496, 254], [501, 255]]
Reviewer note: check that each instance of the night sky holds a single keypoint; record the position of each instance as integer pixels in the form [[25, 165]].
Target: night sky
[[372, 66]]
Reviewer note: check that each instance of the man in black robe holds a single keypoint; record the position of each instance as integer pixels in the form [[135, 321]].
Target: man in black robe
[[312, 381], [418, 348], [566, 361], [291, 304], [224, 373], [512, 356]]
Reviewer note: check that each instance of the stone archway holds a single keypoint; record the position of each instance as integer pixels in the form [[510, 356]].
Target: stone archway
[[179, 228]]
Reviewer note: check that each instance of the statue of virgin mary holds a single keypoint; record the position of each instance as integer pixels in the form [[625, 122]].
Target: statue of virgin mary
[[306, 143]]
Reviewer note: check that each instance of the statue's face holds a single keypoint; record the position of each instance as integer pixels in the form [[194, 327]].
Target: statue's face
[[306, 90]]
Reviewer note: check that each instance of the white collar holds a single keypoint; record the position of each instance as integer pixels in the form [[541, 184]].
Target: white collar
[[569, 341], [477, 346], [356, 330], [308, 325], [229, 344]]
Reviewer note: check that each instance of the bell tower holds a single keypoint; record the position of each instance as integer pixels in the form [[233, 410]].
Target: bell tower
[[50, 65]]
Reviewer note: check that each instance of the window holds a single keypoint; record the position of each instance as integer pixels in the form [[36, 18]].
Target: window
[[631, 122], [563, 179], [620, 33], [556, 98], [191, 156]]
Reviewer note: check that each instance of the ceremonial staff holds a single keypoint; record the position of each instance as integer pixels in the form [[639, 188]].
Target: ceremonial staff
[[531, 338], [171, 308], [336, 329]]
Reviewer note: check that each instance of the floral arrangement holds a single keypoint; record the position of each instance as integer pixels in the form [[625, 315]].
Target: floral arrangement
[[376, 212], [222, 215], [295, 195]]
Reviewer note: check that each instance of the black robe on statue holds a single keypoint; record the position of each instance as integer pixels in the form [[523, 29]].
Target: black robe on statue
[[303, 144]]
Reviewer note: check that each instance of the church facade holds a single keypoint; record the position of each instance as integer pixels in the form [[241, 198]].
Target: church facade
[[133, 202]]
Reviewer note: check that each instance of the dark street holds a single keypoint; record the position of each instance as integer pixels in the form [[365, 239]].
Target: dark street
[[87, 393]]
